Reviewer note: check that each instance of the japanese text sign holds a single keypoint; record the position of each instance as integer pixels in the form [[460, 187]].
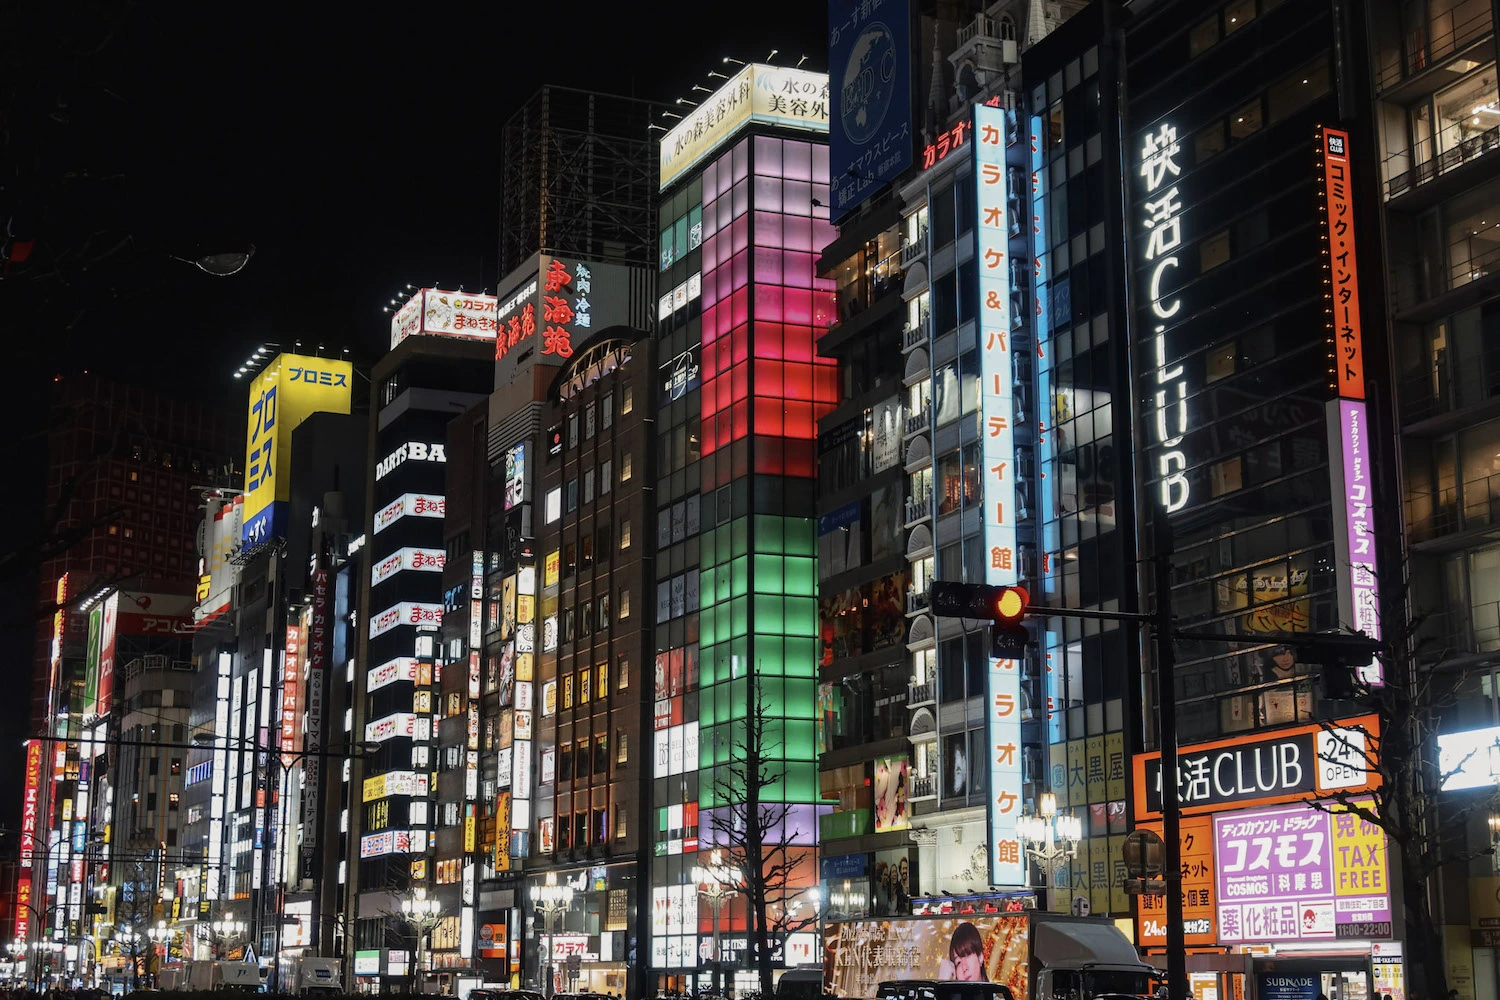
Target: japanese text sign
[[1341, 282], [1162, 227], [869, 58], [1300, 873], [1197, 888], [437, 313], [998, 451], [1355, 545]]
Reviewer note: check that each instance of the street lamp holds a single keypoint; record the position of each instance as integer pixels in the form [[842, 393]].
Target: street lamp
[[716, 883], [128, 941], [225, 929], [553, 901], [421, 913], [16, 949], [1050, 839], [160, 936]]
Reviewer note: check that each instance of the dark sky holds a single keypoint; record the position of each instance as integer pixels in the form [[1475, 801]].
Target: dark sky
[[356, 146]]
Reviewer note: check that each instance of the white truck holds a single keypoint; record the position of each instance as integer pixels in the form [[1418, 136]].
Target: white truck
[[316, 977], [1031, 955]]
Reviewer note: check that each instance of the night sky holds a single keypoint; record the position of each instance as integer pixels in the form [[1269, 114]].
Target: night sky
[[355, 146]]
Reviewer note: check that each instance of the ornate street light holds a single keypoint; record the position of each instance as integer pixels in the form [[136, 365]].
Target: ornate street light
[[553, 901], [226, 929], [717, 883], [421, 913], [1050, 839]]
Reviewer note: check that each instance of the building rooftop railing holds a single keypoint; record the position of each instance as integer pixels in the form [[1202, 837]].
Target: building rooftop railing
[[1469, 22]]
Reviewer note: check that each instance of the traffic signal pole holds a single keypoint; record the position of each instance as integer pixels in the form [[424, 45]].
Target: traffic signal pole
[[1166, 738]]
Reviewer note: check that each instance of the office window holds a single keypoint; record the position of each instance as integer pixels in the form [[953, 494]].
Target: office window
[[604, 540], [1204, 36], [622, 672], [622, 825], [590, 416], [554, 504], [586, 556], [622, 751], [1237, 15], [1246, 121], [627, 400], [585, 690], [604, 612], [624, 534], [607, 411], [606, 472], [567, 701], [564, 761], [572, 430], [624, 604], [568, 625], [570, 496], [1213, 251], [601, 673], [601, 755], [625, 464], [588, 486]]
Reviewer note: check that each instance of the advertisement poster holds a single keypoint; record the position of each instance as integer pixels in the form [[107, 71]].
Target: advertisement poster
[[1281, 986], [869, 63], [892, 781], [861, 954], [1197, 836], [1297, 873]]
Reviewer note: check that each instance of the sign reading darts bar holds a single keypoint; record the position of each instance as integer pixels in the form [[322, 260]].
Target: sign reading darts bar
[[1289, 765]]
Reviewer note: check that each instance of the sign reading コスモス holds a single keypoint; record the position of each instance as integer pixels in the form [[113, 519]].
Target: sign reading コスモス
[[998, 452], [291, 389], [1289, 765], [775, 95]]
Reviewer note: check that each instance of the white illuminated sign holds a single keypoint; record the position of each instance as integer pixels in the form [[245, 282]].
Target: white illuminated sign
[[406, 613], [409, 505], [402, 668], [438, 313], [421, 560], [1470, 759], [398, 724], [1165, 237], [998, 452], [415, 451]]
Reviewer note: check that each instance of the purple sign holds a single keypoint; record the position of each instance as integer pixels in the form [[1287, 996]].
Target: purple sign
[[1295, 873], [1361, 600]]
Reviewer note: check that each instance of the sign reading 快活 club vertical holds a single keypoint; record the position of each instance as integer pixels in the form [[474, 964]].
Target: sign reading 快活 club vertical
[[997, 450], [1169, 391]]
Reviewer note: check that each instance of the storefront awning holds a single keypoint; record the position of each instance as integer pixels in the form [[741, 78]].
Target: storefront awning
[[1063, 943]]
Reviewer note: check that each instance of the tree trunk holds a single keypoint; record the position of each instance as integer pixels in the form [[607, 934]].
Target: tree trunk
[[1427, 960]]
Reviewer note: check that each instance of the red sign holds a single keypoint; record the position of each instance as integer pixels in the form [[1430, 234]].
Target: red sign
[[1346, 355], [954, 138], [30, 803], [291, 691], [23, 906]]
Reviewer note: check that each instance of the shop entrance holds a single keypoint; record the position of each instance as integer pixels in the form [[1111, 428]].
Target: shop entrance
[[1335, 977]]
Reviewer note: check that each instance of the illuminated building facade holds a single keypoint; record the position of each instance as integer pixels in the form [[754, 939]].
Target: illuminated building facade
[[734, 604]]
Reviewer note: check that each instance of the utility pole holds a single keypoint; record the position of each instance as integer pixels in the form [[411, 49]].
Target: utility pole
[[1166, 738]]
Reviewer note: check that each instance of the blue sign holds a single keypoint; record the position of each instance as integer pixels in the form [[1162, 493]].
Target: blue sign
[[844, 866], [1280, 986], [869, 75]]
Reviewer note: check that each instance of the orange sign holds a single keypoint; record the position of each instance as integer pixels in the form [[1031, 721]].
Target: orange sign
[[1346, 357], [1264, 768], [1197, 889]]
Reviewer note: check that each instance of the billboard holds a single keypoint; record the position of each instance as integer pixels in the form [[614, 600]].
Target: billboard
[[433, 312], [861, 954], [998, 451], [91, 660], [1346, 366], [287, 392], [31, 802], [104, 689], [1469, 759], [1288, 765], [1301, 873], [869, 64], [892, 789], [769, 95], [550, 312]]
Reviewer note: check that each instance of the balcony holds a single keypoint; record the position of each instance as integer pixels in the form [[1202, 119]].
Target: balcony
[[1473, 258], [1449, 387], [914, 250], [1472, 631], [923, 787], [916, 423], [918, 508], [1458, 144], [917, 603], [1452, 511], [918, 695], [1465, 24], [913, 336]]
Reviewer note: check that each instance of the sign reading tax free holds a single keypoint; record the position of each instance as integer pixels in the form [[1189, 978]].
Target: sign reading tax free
[[1291, 765]]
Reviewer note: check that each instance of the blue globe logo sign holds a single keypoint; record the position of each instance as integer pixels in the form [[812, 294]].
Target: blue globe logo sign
[[867, 87]]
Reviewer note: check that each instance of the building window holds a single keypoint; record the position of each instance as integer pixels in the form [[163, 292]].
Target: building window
[[565, 762], [1204, 36], [606, 470], [588, 486], [572, 430], [1213, 251], [586, 556], [570, 559], [607, 410], [567, 691], [604, 542], [173, 801], [622, 747], [568, 626], [601, 755], [590, 416], [570, 496], [1237, 15], [625, 467], [601, 674], [624, 534], [1246, 121], [622, 825], [603, 613], [584, 689], [627, 400], [622, 672], [554, 504], [624, 604]]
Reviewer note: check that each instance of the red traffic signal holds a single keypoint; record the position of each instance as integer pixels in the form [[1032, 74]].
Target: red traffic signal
[[1009, 604], [1006, 605]]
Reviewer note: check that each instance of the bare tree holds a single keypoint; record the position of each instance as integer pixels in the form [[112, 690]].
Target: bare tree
[[1426, 829], [753, 831]]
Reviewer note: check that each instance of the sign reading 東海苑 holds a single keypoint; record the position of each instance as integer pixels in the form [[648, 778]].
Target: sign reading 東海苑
[[1290, 765], [998, 455], [870, 134], [287, 392], [772, 95]]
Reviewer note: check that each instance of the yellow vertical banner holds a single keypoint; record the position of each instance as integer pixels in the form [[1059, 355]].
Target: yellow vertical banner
[[1099, 874], [1119, 903], [1093, 749], [1114, 765], [1078, 791]]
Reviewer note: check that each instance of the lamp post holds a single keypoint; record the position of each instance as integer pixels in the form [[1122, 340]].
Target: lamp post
[[1050, 839], [16, 949], [161, 936], [553, 901], [128, 941], [421, 913], [716, 883], [225, 929]]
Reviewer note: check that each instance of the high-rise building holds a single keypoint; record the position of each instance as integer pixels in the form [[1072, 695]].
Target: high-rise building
[[578, 178], [743, 212], [123, 467]]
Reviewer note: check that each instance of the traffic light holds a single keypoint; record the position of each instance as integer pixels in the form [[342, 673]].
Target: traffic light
[[1341, 657], [1005, 606]]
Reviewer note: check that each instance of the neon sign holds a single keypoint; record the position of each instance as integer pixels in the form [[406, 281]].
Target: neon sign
[[1164, 225]]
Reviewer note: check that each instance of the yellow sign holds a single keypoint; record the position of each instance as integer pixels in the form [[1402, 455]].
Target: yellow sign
[[776, 95], [1094, 763], [550, 567], [374, 788], [469, 834], [1114, 763], [292, 388]]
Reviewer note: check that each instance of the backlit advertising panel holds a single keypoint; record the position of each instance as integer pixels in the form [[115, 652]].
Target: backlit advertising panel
[[869, 61], [1198, 913], [409, 505], [998, 452], [408, 558], [287, 392], [1300, 873], [108, 625], [406, 613], [31, 801], [1469, 759], [433, 312], [1346, 365], [91, 661], [402, 668], [861, 954], [773, 95], [1287, 765]]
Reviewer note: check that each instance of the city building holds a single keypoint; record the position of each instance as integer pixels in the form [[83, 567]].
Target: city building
[[440, 365], [743, 212], [1428, 158], [578, 178]]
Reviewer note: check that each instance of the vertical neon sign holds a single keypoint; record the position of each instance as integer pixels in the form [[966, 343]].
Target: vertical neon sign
[[1164, 229], [997, 449]]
